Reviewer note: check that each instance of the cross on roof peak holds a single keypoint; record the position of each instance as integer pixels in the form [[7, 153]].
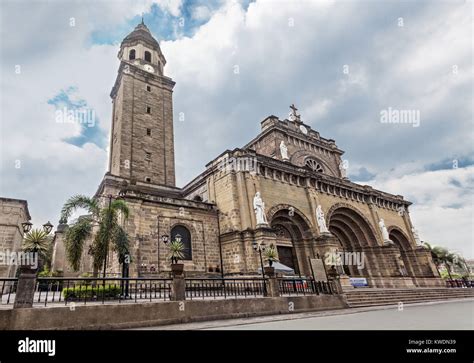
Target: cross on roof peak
[[294, 116]]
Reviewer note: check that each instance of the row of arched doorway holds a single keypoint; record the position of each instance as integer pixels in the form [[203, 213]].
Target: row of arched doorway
[[352, 230]]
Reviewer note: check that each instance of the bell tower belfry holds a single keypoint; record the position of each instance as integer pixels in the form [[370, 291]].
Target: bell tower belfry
[[142, 141]]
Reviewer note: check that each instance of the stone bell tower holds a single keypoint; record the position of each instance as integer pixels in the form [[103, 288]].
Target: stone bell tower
[[141, 144]]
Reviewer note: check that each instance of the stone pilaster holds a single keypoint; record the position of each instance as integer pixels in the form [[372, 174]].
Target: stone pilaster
[[25, 290], [58, 262]]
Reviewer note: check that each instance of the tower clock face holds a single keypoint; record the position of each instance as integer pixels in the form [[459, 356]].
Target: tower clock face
[[149, 68], [304, 130]]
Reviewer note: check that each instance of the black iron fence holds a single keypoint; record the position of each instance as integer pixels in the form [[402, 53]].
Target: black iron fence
[[459, 283], [304, 286], [225, 288], [84, 290], [8, 290], [54, 290]]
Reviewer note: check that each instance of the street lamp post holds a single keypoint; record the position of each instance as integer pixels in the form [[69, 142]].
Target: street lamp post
[[260, 247], [108, 237], [165, 239], [47, 227], [26, 226]]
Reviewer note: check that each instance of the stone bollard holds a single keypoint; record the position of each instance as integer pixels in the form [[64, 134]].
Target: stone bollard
[[273, 289], [178, 286], [25, 290]]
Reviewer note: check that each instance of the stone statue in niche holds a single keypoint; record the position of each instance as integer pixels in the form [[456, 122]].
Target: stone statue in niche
[[321, 220], [343, 169], [283, 150], [384, 230], [259, 208]]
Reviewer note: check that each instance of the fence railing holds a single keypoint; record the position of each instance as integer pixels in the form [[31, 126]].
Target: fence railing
[[54, 290], [459, 283], [84, 290], [304, 286], [225, 288], [8, 290]]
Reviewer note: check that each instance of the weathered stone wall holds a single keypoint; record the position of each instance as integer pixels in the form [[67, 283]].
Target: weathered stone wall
[[13, 212], [299, 145], [233, 192], [152, 216], [299, 148], [152, 314], [130, 142]]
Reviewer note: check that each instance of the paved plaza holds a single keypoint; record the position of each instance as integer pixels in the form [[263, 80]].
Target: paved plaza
[[446, 315]]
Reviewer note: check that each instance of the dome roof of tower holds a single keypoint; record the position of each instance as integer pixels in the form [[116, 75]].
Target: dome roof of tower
[[141, 33]]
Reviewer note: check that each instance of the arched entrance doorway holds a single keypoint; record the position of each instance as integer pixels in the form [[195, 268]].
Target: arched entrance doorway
[[401, 241], [285, 247], [354, 233], [293, 234]]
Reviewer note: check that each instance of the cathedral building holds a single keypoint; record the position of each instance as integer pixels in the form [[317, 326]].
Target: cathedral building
[[287, 188]]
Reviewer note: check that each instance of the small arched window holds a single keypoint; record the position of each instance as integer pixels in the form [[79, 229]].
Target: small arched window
[[185, 235], [147, 56], [131, 54]]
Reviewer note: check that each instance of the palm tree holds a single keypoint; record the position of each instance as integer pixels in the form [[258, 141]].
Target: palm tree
[[442, 255], [176, 249], [271, 255], [437, 254], [107, 220], [461, 262], [448, 260], [434, 253], [37, 241]]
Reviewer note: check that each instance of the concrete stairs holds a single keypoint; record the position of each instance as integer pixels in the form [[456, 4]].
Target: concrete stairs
[[359, 297]]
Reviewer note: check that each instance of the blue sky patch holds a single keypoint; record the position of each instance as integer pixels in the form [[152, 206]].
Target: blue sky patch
[[162, 24], [70, 110]]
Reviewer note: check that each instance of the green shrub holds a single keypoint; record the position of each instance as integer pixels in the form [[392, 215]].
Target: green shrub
[[48, 273], [52, 285], [44, 273], [85, 282], [444, 274], [90, 292]]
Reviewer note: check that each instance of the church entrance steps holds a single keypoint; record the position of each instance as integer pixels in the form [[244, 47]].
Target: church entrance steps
[[374, 297]]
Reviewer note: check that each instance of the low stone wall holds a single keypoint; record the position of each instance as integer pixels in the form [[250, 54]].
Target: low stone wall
[[405, 282], [130, 315], [429, 282]]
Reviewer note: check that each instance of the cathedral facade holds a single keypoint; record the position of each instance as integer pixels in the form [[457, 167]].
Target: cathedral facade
[[287, 188]]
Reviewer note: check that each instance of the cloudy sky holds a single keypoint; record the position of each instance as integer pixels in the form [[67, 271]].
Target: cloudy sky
[[343, 63]]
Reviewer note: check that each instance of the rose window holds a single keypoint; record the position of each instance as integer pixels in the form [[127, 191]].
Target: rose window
[[314, 165]]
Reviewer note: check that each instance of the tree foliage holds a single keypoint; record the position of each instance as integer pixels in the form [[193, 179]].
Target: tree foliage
[[108, 223]]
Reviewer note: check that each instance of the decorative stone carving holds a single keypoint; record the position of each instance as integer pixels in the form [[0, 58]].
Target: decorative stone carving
[[321, 220], [284, 151], [259, 208], [416, 236]]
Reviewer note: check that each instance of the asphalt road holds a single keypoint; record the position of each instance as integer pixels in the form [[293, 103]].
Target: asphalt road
[[448, 315]]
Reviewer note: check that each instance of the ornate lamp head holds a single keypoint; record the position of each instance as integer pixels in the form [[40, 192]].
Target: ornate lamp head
[[26, 226]]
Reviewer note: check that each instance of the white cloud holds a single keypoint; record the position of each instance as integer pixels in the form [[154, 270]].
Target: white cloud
[[290, 53], [172, 6], [201, 13], [443, 205]]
